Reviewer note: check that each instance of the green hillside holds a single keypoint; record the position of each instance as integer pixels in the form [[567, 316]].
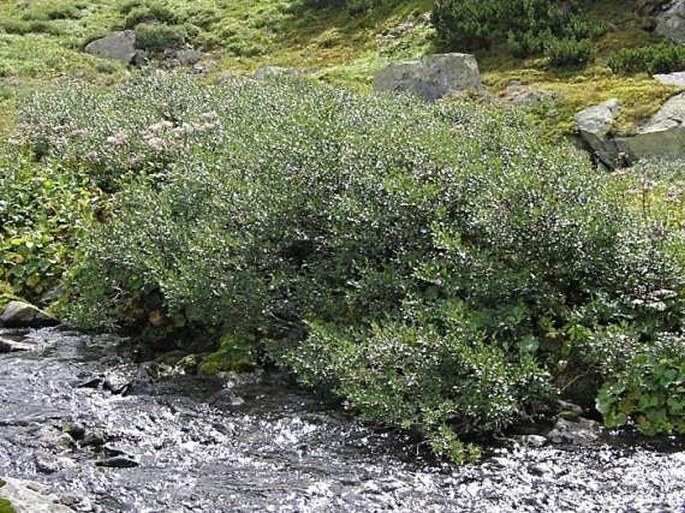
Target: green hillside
[[42, 40]]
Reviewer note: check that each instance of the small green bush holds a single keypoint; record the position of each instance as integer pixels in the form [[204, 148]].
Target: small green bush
[[568, 53], [40, 212], [529, 28], [423, 376], [48, 11], [151, 13], [159, 37], [651, 391], [12, 26], [233, 355], [662, 58]]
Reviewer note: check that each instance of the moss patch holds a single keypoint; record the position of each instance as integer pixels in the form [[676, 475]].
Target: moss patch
[[6, 298], [233, 355], [6, 506]]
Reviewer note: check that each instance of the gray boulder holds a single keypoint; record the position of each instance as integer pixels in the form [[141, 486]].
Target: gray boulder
[[10, 345], [432, 77], [662, 137], [18, 314], [30, 497], [120, 46], [579, 432], [671, 79], [671, 23], [188, 56], [593, 126], [532, 98]]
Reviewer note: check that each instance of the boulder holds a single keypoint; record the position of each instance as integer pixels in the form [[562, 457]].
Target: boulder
[[532, 98], [671, 79], [120, 46], [432, 77], [10, 345], [18, 314], [671, 22], [30, 497], [593, 125], [188, 56], [575, 432], [117, 462], [662, 137]]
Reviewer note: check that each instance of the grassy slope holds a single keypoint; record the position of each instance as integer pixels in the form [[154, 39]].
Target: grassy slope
[[336, 45]]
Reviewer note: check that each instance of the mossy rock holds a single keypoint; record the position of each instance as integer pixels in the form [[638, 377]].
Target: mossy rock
[[6, 506], [233, 355], [7, 297], [189, 363]]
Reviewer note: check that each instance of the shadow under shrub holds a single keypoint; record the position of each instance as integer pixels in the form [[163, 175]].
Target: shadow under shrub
[[431, 265]]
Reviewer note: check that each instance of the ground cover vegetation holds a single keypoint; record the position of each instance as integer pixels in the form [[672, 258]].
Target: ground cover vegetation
[[441, 268]]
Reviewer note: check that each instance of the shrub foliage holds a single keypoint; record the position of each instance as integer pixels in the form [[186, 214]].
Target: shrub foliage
[[440, 268], [662, 58], [528, 27]]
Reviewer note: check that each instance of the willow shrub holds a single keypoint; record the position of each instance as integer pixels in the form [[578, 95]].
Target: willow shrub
[[431, 265]]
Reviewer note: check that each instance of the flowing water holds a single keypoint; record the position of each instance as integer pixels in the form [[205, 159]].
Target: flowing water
[[190, 444]]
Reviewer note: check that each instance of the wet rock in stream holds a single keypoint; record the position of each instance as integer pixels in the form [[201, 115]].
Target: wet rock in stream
[[187, 444]]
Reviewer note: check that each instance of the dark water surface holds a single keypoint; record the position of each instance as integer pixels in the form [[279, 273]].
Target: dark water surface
[[258, 444]]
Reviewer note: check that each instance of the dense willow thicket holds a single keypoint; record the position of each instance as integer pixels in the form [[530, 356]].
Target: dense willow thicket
[[440, 268]]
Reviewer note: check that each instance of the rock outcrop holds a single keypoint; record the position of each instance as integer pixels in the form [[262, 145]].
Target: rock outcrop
[[662, 137], [30, 497], [432, 77], [120, 46], [575, 432], [671, 23], [671, 79], [11, 345], [18, 314], [593, 126]]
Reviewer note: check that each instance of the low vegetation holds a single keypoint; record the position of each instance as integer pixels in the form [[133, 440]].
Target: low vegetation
[[662, 58], [450, 281], [563, 33]]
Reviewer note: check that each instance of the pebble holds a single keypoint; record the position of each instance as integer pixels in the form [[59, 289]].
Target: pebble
[[94, 438], [117, 462], [8, 345], [46, 463], [533, 440], [76, 431], [540, 469]]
